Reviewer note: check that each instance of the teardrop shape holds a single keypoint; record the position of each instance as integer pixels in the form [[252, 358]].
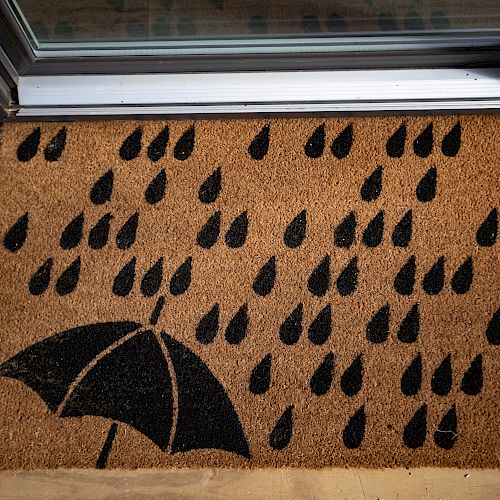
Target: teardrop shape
[[319, 281], [260, 144], [68, 279], [236, 235], [411, 381], [125, 237], [416, 429], [210, 189], [323, 376], [374, 231], [102, 189], [55, 147], [433, 281], [352, 379], [354, 431], [236, 330], [404, 281], [472, 381], [282, 432], [291, 328], [181, 279], [348, 278], [131, 146], [487, 233], [441, 380], [260, 378], [152, 279], [372, 187], [422, 145], [156, 189], [72, 233], [426, 189], [157, 147], [462, 279], [341, 145], [185, 145], [493, 329], [16, 236], [295, 232], [41, 279], [29, 147], [208, 326], [124, 280], [410, 326], [377, 330], [446, 433], [395, 146], [208, 234], [321, 327], [98, 235], [345, 232], [316, 143], [451, 141], [401, 236], [264, 282]]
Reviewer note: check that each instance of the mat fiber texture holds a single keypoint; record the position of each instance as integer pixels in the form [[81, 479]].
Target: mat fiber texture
[[292, 292]]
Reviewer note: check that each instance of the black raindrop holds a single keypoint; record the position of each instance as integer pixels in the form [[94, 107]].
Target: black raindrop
[[405, 279], [345, 232], [341, 145], [462, 279], [416, 429], [422, 145], [29, 147], [323, 376], [410, 326], [295, 232], [433, 281], [487, 233], [374, 231], [131, 146], [260, 144], [347, 280], [441, 380], [125, 237], [68, 279], [41, 279], [395, 146], [210, 189], [426, 189], [472, 381], [377, 329], [354, 431], [208, 234], [208, 326], [446, 433], [372, 187], [264, 282], [102, 189], [321, 327], [236, 235], [16, 236], [451, 141], [55, 147], [291, 328], [156, 189], [493, 329], [319, 281], [351, 380], [72, 233], [181, 279], [124, 280], [401, 235], [260, 378], [236, 330], [151, 280], [185, 145], [282, 432], [98, 235], [157, 147], [316, 143], [411, 381]]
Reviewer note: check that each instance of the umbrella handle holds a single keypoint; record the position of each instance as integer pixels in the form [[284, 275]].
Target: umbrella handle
[[103, 457]]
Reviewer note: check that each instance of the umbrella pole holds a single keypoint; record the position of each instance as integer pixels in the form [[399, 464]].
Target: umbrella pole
[[103, 457]]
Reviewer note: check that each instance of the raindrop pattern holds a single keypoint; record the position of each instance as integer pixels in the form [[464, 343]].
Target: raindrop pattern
[[29, 147], [39, 282], [410, 326], [236, 330], [323, 376], [126, 235], [422, 145], [411, 381], [433, 281], [404, 281], [208, 326], [377, 329], [156, 189], [158, 146], [264, 281], [451, 141], [374, 231], [401, 236], [321, 327], [319, 280], [446, 433], [131, 146], [462, 279], [342, 144], [441, 380], [416, 429], [101, 191], [493, 329], [260, 378], [124, 280], [16, 236], [472, 381], [345, 232], [395, 145], [184, 147], [354, 431], [426, 188], [55, 147], [316, 143], [487, 232], [347, 280], [152, 279], [67, 281], [295, 232], [236, 235], [211, 187], [181, 279], [282, 433], [260, 144], [72, 233], [291, 328], [99, 234], [351, 380], [372, 187], [208, 234]]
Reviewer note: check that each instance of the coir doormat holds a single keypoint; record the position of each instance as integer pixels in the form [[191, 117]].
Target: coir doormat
[[254, 293]]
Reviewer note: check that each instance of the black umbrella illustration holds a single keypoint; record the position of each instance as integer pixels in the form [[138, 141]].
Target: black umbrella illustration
[[123, 371]]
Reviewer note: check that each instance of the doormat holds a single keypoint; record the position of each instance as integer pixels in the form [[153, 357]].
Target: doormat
[[250, 293]]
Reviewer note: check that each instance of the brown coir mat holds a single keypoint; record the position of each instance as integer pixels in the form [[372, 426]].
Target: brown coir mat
[[250, 293]]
